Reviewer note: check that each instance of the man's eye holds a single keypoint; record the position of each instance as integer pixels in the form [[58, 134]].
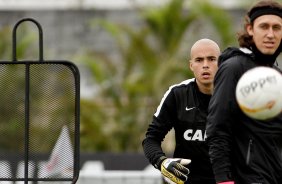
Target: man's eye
[[264, 26], [211, 59], [277, 28]]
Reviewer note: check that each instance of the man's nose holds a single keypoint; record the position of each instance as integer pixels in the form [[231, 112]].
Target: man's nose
[[270, 33], [206, 64]]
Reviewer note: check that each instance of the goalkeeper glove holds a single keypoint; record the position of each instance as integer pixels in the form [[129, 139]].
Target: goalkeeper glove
[[174, 171]]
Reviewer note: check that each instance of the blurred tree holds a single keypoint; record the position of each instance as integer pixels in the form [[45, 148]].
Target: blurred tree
[[129, 91], [11, 87]]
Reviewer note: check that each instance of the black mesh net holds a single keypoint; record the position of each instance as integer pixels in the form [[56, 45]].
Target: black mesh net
[[39, 113]]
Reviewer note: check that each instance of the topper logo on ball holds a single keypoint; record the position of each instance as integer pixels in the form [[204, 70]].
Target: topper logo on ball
[[260, 83], [259, 94]]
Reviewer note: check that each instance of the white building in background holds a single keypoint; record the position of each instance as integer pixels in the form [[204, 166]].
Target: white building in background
[[100, 4]]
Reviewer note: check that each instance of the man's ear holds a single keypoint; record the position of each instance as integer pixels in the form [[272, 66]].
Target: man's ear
[[249, 29], [190, 65]]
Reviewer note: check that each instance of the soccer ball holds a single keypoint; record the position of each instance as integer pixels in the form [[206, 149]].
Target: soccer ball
[[259, 93]]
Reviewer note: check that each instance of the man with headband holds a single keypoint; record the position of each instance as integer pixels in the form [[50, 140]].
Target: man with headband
[[244, 150]]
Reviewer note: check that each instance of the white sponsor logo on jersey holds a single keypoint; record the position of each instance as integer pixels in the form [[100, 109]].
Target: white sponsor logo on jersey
[[194, 135]]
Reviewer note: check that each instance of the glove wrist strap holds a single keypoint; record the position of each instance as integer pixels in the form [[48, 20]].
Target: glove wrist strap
[[159, 162]]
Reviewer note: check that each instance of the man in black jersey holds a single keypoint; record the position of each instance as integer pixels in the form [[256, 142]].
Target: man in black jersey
[[244, 150], [184, 108]]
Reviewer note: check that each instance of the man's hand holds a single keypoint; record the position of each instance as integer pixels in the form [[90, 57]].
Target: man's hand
[[174, 171]]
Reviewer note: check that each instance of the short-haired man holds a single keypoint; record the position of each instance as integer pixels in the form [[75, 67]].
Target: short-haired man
[[184, 108]]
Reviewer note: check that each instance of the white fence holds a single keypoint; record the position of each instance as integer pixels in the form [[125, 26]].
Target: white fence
[[93, 172]]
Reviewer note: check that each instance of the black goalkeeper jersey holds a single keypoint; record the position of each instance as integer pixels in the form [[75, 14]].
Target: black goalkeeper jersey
[[184, 108], [242, 149]]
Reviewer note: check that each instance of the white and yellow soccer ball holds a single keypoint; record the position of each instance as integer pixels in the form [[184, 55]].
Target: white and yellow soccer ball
[[259, 93]]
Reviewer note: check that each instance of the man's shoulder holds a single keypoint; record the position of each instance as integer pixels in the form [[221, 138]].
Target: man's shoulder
[[183, 84], [235, 56]]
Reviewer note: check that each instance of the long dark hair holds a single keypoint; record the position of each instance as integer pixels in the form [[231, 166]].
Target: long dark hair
[[244, 39]]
